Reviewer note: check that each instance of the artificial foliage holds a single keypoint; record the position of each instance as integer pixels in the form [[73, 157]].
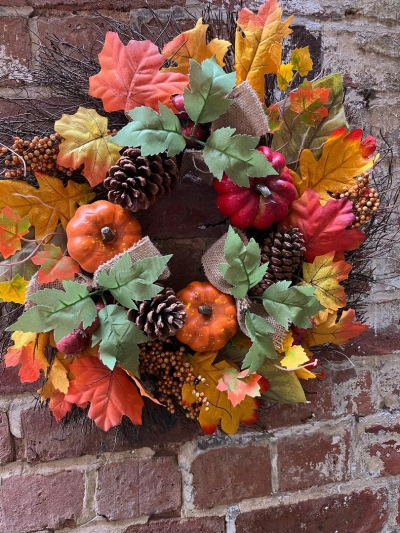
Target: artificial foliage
[[98, 320]]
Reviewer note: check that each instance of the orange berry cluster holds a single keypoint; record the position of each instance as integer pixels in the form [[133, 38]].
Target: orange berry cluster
[[365, 200]]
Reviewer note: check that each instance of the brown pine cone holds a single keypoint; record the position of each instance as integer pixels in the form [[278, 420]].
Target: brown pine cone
[[135, 181], [160, 317], [283, 250]]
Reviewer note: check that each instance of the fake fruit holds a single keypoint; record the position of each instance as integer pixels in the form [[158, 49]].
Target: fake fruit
[[99, 231], [210, 317], [188, 131], [266, 201], [179, 104]]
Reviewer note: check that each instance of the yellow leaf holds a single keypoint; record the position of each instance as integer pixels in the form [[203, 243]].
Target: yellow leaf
[[258, 50], [301, 60], [48, 204], [325, 274], [343, 158], [86, 143], [294, 356], [192, 44], [303, 373], [285, 76], [58, 376], [14, 290]]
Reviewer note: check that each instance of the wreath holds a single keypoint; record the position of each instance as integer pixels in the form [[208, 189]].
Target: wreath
[[97, 317]]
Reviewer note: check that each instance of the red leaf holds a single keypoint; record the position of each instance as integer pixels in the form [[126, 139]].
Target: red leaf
[[110, 392], [130, 76], [55, 265], [12, 228], [309, 103], [336, 331], [28, 351], [324, 227]]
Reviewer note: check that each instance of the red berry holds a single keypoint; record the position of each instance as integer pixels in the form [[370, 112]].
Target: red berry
[[74, 343], [187, 131], [96, 323], [179, 103]]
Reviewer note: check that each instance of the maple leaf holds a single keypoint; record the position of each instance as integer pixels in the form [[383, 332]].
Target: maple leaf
[[111, 393], [257, 45], [57, 402], [238, 385], [14, 290], [130, 76], [54, 264], [28, 350], [301, 60], [284, 76], [85, 142], [192, 44], [309, 103], [335, 331], [58, 375], [45, 206], [274, 118], [344, 156], [220, 409], [325, 274], [324, 227], [294, 356], [12, 228]]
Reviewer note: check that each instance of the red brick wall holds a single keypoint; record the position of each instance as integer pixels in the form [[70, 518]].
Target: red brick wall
[[330, 465]]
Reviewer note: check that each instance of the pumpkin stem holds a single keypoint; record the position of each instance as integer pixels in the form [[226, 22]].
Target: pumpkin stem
[[107, 234], [262, 189], [205, 310]]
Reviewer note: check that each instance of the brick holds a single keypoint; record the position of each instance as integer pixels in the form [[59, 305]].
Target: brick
[[381, 445], [370, 342], [230, 474], [176, 525], [364, 511], [15, 50], [6, 445], [135, 487], [315, 458], [123, 5], [34, 502]]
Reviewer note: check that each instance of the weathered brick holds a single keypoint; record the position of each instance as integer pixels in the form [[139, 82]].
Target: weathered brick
[[34, 502], [6, 445], [138, 487], [15, 50], [230, 474], [176, 525], [315, 458], [364, 511], [123, 5]]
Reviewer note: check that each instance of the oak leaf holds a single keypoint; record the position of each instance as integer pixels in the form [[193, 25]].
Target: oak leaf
[[325, 274], [111, 393], [344, 157], [85, 142], [54, 264], [130, 76], [335, 331], [29, 351], [12, 228], [45, 206], [192, 44], [324, 227], [14, 290], [238, 385]]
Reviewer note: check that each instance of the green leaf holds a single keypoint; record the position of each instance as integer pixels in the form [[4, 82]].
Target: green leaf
[[129, 281], [259, 331], [118, 338], [291, 304], [61, 310], [243, 270], [209, 85], [154, 132], [292, 137], [236, 156], [284, 387]]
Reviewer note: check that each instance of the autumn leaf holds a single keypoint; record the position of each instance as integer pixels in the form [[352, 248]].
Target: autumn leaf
[[14, 290], [344, 157], [29, 352], [45, 206], [58, 376], [12, 228], [57, 403], [220, 409], [85, 142], [192, 44], [324, 227], [238, 385], [335, 331], [325, 274], [284, 76], [274, 118], [284, 387], [258, 50], [301, 60], [130, 76], [294, 356], [309, 103], [54, 264], [111, 393]]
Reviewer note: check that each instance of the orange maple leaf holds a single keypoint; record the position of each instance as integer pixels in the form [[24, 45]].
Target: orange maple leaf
[[130, 76], [28, 351], [309, 103], [54, 264], [238, 385], [14, 290], [335, 331], [111, 393], [12, 228]]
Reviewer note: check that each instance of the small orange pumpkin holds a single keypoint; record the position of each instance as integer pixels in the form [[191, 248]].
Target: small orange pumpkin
[[210, 317], [99, 231]]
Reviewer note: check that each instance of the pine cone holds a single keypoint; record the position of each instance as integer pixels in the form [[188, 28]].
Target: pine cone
[[135, 181], [160, 317], [283, 250]]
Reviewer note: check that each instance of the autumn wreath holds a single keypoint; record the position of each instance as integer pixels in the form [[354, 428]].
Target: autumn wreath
[[98, 319]]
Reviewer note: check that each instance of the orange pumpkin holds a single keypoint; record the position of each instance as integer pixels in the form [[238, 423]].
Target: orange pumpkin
[[210, 317], [99, 231]]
